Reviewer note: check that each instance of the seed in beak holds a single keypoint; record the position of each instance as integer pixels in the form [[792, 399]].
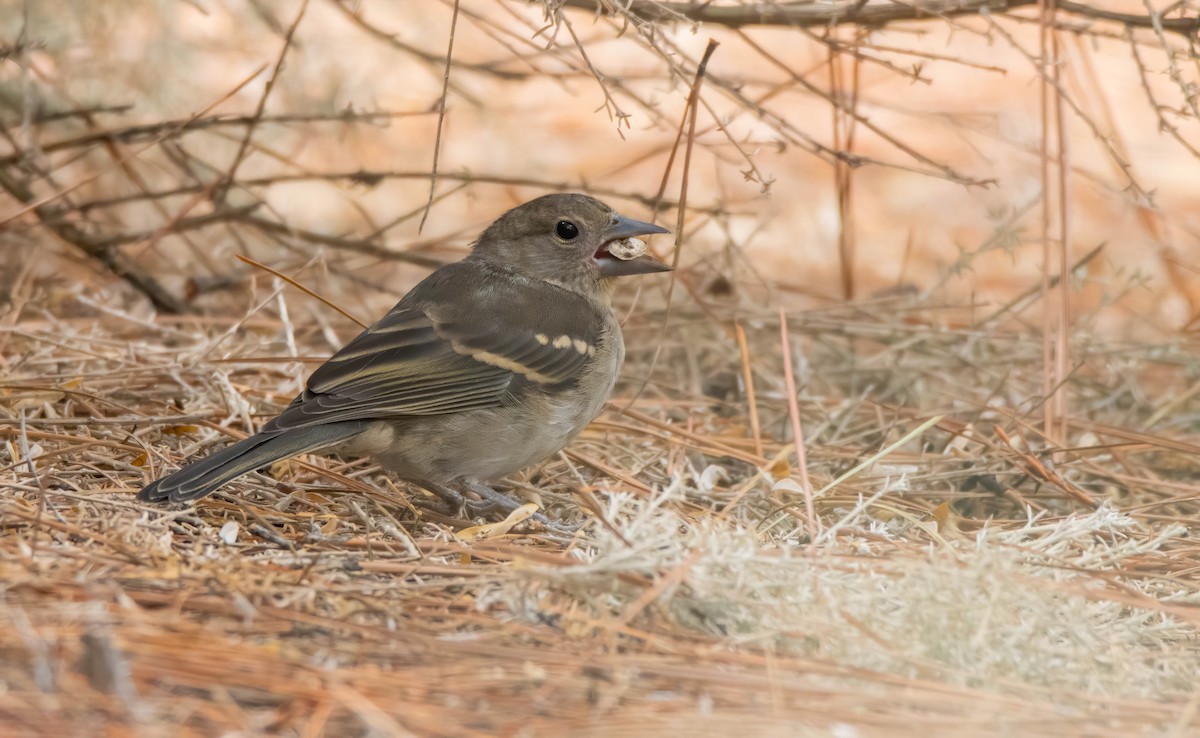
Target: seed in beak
[[624, 248]]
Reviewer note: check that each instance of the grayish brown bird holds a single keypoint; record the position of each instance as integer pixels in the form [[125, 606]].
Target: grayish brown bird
[[488, 365]]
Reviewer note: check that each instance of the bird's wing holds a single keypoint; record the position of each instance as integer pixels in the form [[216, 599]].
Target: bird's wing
[[455, 343]]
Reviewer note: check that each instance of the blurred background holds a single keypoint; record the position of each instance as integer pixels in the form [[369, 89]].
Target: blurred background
[[830, 161]]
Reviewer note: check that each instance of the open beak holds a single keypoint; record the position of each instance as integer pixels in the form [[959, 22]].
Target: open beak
[[622, 227]]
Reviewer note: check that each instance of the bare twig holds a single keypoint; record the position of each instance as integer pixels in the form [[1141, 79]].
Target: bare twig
[[151, 130], [693, 105], [437, 138], [355, 16], [169, 133], [789, 378], [858, 13], [748, 381], [370, 178], [1062, 344], [227, 182], [610, 104], [302, 288], [348, 244]]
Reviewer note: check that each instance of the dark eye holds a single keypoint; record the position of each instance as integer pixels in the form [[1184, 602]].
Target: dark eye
[[566, 230]]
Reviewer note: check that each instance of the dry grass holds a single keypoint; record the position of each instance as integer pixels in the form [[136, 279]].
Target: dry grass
[[951, 590], [937, 566]]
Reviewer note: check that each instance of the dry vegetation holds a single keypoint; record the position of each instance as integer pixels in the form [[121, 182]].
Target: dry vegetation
[[985, 529]]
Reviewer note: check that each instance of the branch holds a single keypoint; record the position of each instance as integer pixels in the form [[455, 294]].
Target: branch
[[861, 13], [370, 178], [57, 222], [348, 244], [144, 131]]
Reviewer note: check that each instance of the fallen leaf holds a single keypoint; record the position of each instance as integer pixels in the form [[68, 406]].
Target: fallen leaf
[[489, 530], [179, 430], [781, 469]]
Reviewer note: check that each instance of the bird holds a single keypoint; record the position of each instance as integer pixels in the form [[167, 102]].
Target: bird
[[489, 365]]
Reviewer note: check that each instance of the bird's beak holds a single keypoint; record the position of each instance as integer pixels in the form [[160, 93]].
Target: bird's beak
[[622, 227]]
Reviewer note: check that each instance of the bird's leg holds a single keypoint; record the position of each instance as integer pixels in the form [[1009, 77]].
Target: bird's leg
[[508, 504], [495, 500], [490, 499], [448, 495], [490, 502]]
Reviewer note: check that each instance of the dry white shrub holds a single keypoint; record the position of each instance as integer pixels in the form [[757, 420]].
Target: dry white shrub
[[1010, 611]]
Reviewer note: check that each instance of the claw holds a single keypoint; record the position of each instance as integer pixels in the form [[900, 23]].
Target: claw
[[491, 504], [455, 502]]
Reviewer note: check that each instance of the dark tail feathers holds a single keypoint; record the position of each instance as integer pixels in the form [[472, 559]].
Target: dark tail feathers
[[204, 476]]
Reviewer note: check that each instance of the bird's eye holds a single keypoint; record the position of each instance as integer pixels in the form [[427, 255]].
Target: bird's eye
[[566, 230]]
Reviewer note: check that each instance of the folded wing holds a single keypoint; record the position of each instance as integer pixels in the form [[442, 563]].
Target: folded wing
[[455, 343]]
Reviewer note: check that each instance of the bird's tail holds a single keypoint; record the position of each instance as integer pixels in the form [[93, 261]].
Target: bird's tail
[[204, 476]]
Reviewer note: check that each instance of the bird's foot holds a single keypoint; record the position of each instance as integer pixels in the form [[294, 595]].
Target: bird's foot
[[490, 504], [455, 502], [499, 502]]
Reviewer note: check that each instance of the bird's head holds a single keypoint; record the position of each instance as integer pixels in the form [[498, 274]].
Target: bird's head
[[565, 239]]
